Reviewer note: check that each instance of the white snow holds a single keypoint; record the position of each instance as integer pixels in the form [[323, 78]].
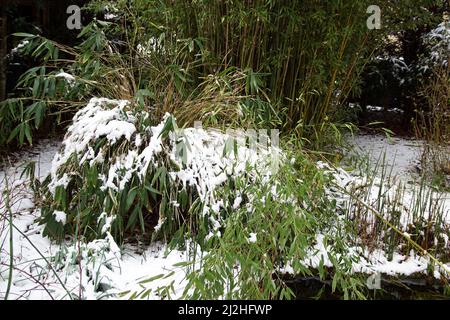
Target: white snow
[[105, 271], [68, 77], [60, 217], [103, 262], [369, 262], [103, 265], [400, 160], [90, 123], [206, 166], [438, 43], [110, 16], [402, 155], [20, 46], [252, 238], [107, 220]]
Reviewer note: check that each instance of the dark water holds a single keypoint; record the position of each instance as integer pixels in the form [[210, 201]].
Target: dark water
[[391, 289]]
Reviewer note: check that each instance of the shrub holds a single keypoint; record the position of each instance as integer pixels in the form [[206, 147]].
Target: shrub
[[117, 173]]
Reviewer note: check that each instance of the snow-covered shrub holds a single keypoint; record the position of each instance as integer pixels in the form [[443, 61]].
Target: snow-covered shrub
[[437, 42], [116, 172], [117, 176], [94, 265], [275, 227], [394, 78]]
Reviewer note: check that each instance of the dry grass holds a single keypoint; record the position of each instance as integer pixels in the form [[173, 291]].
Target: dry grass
[[219, 102], [434, 125]]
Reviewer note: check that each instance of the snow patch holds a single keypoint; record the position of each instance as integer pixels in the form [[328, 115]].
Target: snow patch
[[60, 217]]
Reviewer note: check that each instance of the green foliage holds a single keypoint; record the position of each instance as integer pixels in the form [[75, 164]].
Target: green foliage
[[48, 91], [264, 63], [109, 64], [134, 209], [388, 214], [271, 232], [296, 55], [270, 63]]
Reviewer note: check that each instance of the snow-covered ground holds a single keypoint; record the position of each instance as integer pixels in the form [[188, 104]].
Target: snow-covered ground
[[115, 271], [100, 269], [375, 262], [400, 159], [402, 156]]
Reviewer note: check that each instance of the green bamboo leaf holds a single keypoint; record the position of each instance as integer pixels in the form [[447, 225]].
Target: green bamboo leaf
[[24, 35], [157, 277], [28, 134], [36, 86], [131, 197]]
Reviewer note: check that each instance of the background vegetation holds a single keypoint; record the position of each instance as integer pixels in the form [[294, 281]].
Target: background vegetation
[[291, 65]]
